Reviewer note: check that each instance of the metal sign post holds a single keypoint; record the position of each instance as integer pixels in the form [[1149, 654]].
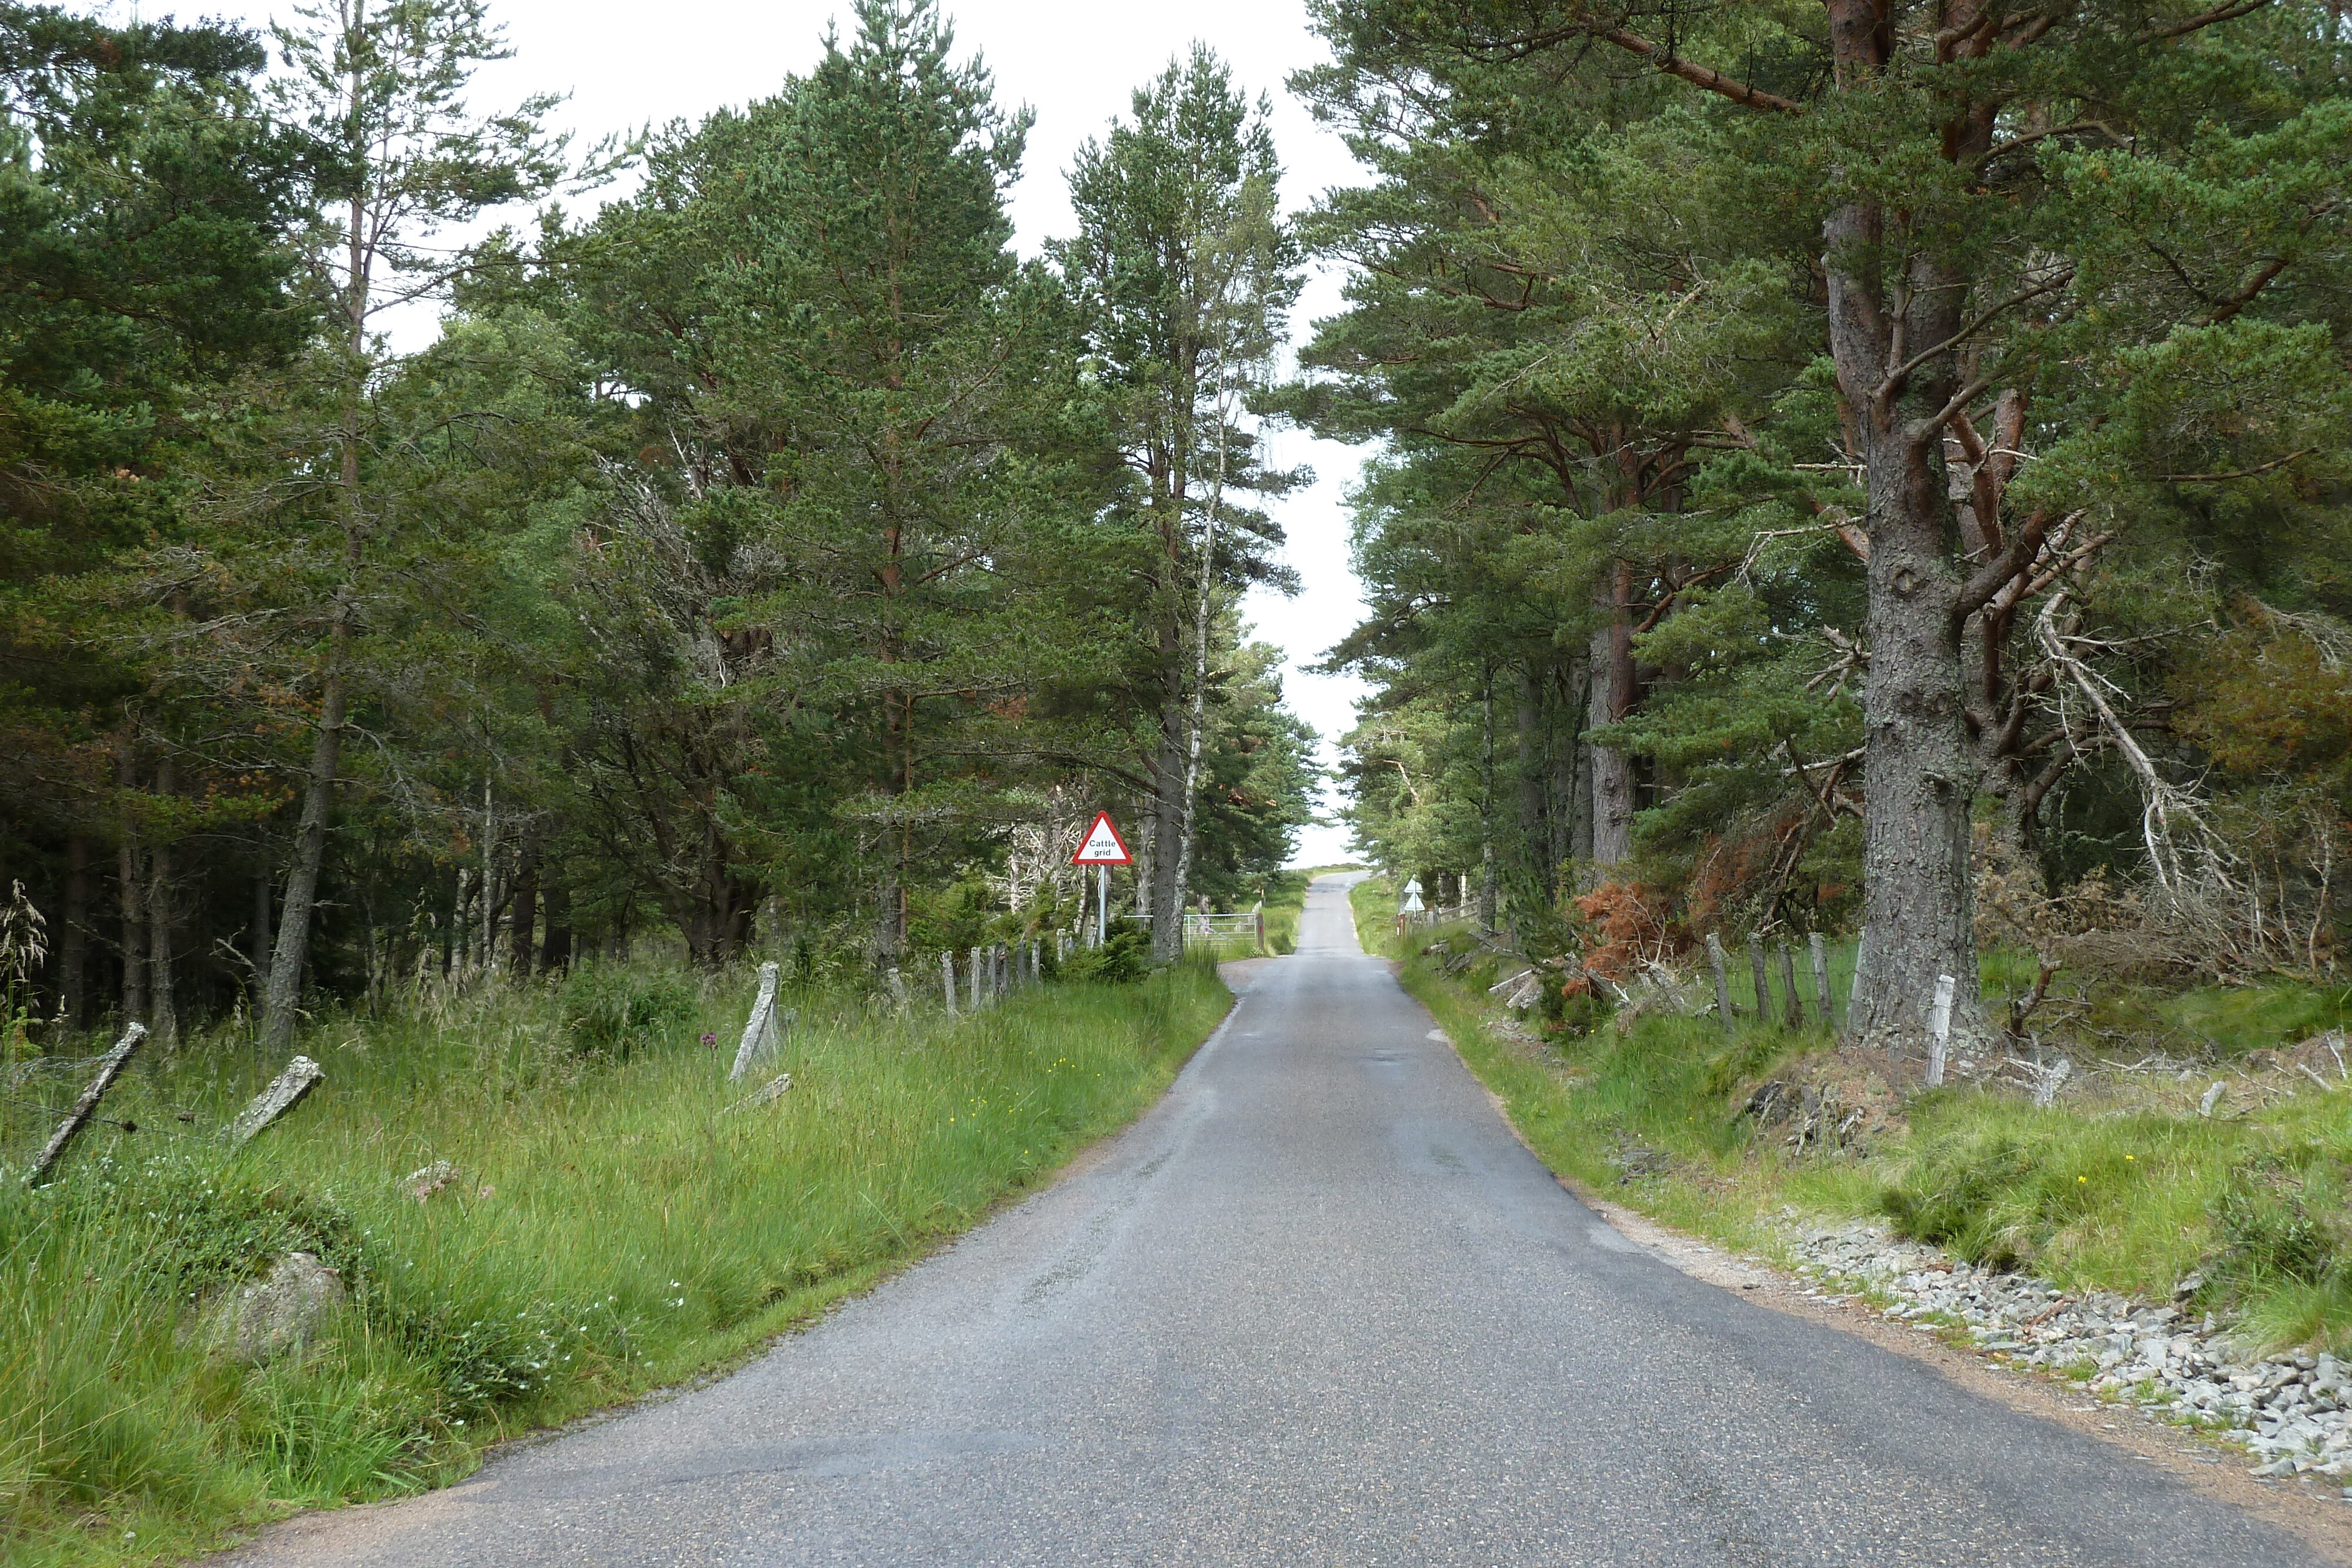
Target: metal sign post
[[1102, 849]]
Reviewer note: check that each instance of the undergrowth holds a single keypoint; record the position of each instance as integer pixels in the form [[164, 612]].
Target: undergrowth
[[602, 1226]]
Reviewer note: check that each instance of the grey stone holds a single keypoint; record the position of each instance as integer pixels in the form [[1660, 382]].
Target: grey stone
[[282, 1311]]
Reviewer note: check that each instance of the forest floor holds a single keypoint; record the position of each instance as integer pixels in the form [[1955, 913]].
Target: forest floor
[[537, 1202], [2196, 1160]]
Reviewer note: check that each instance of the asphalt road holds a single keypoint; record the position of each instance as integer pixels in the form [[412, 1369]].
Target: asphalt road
[[1318, 1307]]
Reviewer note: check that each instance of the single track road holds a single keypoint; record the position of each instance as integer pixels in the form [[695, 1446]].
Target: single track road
[[1319, 1307]]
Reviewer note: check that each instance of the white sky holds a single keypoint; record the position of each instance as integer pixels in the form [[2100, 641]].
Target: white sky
[[628, 64]]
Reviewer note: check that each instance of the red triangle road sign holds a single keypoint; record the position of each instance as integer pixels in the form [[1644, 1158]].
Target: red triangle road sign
[[1103, 846]]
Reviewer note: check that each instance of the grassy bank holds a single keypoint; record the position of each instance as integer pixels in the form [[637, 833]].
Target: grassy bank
[[2123, 1187], [604, 1226]]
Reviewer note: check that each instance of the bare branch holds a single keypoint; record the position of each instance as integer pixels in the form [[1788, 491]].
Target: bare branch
[[2202, 20], [2239, 473]]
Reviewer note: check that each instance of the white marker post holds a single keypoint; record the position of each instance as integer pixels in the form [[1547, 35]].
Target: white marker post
[[1102, 849], [1939, 1025]]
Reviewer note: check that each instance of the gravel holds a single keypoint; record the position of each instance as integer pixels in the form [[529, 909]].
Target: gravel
[[2292, 1412]]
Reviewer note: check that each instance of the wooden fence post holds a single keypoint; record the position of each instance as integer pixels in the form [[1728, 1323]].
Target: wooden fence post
[[947, 979], [284, 1092], [976, 976], [760, 1030], [110, 1068], [1939, 1025], [1794, 1008], [1822, 982], [1722, 980], [1763, 987]]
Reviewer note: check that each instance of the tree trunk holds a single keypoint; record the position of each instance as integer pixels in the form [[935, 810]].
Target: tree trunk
[[1168, 829], [1572, 771], [1918, 768], [1486, 806], [131, 887], [1918, 897], [257, 945], [163, 910], [555, 952], [1534, 847], [283, 996], [524, 924], [1612, 770], [73, 941]]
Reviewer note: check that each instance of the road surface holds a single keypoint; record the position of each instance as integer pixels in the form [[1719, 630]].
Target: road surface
[[1319, 1307]]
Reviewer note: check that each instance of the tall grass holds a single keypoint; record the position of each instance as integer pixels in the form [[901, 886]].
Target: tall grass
[[607, 1226]]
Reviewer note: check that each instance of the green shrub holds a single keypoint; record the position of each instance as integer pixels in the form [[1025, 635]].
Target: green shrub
[[609, 1010], [1124, 957], [2267, 1234]]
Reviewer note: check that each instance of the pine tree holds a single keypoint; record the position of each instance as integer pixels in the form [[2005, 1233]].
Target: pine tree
[[1186, 274]]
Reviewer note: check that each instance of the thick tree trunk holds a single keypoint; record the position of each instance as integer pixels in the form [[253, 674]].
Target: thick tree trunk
[[1612, 770], [73, 940], [1918, 895], [1918, 768], [1168, 828]]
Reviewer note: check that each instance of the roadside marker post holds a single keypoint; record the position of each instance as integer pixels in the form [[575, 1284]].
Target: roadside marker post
[[1102, 849]]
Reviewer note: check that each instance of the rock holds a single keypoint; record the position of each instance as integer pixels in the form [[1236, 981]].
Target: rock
[[2189, 1286], [424, 1184], [280, 1313]]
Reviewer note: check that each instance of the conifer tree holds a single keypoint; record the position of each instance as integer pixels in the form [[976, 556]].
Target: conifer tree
[[1186, 274]]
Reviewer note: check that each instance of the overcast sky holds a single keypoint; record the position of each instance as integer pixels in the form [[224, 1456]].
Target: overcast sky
[[629, 65]]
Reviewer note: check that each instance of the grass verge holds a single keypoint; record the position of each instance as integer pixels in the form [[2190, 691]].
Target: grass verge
[[2254, 1202], [604, 1225]]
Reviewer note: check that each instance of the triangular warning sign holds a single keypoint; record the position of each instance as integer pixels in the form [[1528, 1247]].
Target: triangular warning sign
[[1103, 845]]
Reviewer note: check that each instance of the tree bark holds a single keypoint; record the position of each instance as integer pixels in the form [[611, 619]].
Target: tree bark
[[1486, 806], [131, 890], [163, 910], [1612, 769], [555, 951], [1917, 891], [258, 941], [73, 941], [1167, 826], [282, 997], [523, 925], [1534, 848]]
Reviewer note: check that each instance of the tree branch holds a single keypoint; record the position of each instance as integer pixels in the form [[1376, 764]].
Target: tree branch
[[2240, 474], [1697, 75], [2202, 20], [1893, 377]]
